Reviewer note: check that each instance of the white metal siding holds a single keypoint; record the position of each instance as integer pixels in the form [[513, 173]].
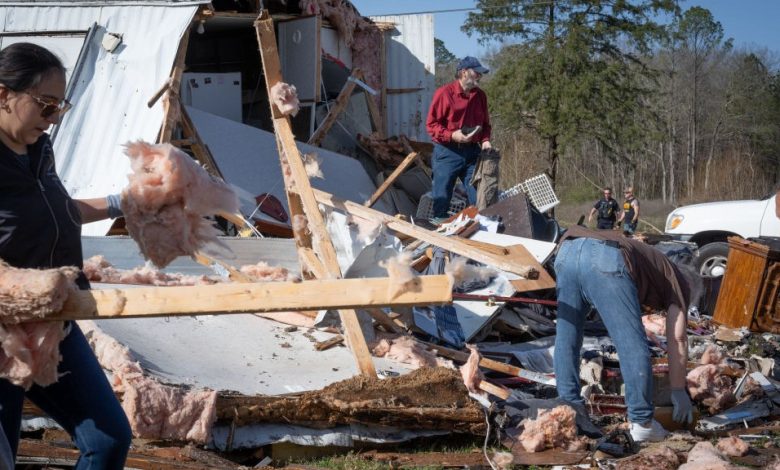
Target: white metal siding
[[110, 98], [410, 64]]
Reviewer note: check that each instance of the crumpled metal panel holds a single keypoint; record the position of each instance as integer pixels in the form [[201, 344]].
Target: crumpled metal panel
[[411, 64], [113, 88]]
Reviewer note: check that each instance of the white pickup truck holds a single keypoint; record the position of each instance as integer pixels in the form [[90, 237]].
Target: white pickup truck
[[708, 225]]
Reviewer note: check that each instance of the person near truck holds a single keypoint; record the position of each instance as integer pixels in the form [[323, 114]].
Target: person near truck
[[616, 276], [629, 215], [459, 126], [606, 211], [40, 227]]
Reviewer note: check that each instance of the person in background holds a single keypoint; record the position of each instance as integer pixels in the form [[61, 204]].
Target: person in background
[[459, 126], [40, 227], [616, 276], [629, 216], [605, 210]]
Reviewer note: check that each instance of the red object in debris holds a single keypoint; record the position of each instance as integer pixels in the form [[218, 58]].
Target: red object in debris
[[271, 206]]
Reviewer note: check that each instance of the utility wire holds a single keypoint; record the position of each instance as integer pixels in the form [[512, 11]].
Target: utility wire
[[458, 10]]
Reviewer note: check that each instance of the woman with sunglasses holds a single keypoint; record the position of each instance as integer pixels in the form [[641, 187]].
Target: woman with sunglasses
[[40, 227]]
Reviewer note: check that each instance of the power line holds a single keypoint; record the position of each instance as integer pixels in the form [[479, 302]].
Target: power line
[[457, 10]]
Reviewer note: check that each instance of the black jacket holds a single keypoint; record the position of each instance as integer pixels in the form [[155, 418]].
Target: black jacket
[[40, 225]]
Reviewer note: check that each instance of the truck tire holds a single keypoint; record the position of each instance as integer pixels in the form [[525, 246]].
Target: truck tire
[[711, 260]]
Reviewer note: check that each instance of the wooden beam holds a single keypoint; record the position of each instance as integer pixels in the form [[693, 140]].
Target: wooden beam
[[311, 263], [172, 103], [391, 179], [453, 244], [497, 390], [384, 320], [249, 298], [335, 111], [266, 39], [376, 116], [199, 148], [514, 371]]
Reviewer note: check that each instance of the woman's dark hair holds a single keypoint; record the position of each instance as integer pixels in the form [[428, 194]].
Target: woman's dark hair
[[23, 65]]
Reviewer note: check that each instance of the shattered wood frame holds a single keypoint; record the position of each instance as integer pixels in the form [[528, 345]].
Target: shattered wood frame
[[301, 198], [258, 297]]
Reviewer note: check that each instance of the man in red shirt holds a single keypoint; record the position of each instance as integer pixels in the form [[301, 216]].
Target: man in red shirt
[[459, 126]]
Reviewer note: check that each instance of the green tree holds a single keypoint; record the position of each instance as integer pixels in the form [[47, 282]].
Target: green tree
[[574, 70], [443, 55], [445, 63], [700, 36]]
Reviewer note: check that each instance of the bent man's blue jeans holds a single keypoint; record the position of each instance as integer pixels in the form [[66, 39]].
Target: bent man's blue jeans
[[590, 272], [81, 401], [451, 162]]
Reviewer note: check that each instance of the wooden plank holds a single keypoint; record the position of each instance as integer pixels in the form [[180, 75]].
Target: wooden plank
[[199, 148], [376, 116], [381, 317], [489, 247], [172, 103], [497, 366], [329, 343], [269, 55], [335, 111], [520, 254], [206, 260], [453, 244], [249, 298], [391, 179], [497, 390], [311, 263]]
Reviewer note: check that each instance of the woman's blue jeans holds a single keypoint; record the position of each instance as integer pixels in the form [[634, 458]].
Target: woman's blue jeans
[[590, 272], [81, 401], [451, 162]]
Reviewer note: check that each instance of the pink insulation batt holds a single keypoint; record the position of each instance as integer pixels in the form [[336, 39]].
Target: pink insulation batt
[[285, 97], [155, 410], [470, 372], [552, 429], [167, 199], [29, 352], [704, 456], [732, 446], [707, 385]]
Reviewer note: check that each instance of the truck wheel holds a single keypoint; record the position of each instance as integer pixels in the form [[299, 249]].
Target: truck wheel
[[711, 260]]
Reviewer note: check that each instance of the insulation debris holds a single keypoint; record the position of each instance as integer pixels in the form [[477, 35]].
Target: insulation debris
[[285, 97], [155, 410], [311, 162], [654, 324], [406, 350], [387, 152], [704, 456], [552, 429], [462, 273], [262, 271], [368, 230], [33, 293], [402, 277], [300, 224], [706, 383], [472, 376], [732, 446], [98, 269], [30, 351], [503, 460], [167, 199]]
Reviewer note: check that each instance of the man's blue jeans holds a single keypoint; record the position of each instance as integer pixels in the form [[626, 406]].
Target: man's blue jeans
[[590, 272], [451, 162], [81, 401]]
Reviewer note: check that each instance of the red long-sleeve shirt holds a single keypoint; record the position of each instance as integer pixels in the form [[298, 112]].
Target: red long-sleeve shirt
[[452, 109]]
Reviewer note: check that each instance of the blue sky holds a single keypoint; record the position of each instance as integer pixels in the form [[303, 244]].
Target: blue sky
[[749, 22]]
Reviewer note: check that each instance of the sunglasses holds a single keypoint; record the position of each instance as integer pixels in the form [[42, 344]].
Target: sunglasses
[[50, 106]]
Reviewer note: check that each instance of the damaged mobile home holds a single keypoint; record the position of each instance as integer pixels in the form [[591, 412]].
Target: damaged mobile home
[[346, 324]]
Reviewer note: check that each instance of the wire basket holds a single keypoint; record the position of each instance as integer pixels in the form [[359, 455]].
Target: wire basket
[[538, 190], [425, 207]]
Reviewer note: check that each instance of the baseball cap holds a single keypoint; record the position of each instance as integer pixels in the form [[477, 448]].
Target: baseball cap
[[469, 62]]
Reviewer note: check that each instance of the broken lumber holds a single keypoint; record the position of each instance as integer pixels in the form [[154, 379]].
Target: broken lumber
[[514, 371], [391, 179], [338, 107], [453, 244], [249, 298], [299, 192]]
